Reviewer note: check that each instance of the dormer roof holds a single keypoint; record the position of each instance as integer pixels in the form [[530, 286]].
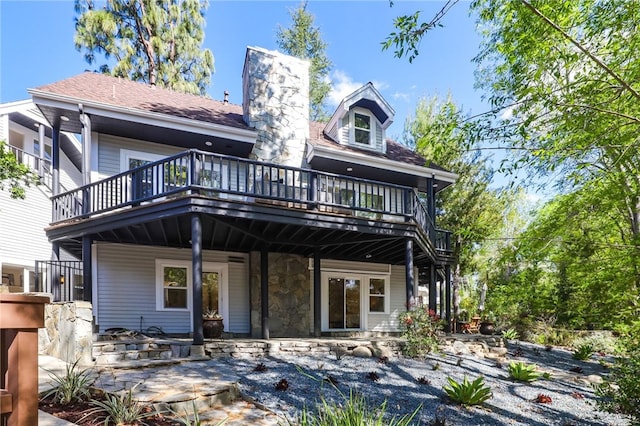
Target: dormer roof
[[366, 97]]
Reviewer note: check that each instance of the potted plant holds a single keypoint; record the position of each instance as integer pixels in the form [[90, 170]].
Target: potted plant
[[487, 324], [212, 324]]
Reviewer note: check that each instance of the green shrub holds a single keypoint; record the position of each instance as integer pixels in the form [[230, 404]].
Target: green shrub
[[73, 386], [522, 372], [620, 390], [468, 393], [122, 409], [510, 334], [354, 411], [421, 326], [583, 352]]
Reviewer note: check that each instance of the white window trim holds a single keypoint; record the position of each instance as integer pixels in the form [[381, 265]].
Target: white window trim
[[160, 265], [364, 295], [387, 295], [127, 154], [372, 130], [223, 299]]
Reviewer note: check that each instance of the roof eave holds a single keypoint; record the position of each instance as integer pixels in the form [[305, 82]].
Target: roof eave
[[146, 117]]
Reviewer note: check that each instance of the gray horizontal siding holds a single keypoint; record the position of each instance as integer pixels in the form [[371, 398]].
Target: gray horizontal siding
[[127, 288], [109, 149], [397, 305]]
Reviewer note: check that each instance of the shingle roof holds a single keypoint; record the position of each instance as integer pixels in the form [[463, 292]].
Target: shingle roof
[[395, 151], [123, 93]]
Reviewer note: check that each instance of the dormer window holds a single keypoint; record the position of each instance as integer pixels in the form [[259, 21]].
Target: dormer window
[[361, 128]]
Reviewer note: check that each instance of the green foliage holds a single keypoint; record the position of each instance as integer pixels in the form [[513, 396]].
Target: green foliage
[[353, 411], [421, 326], [522, 372], [73, 386], [620, 391], [122, 409], [14, 174], [583, 352], [468, 393], [304, 40], [409, 32], [193, 418], [155, 42], [510, 334], [579, 122]]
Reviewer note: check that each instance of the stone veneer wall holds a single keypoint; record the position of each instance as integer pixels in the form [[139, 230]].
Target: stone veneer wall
[[276, 103], [289, 296], [67, 332]]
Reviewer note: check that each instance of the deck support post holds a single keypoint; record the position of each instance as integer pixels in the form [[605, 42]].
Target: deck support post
[[264, 291], [317, 294], [86, 269], [196, 263], [447, 297], [55, 159], [409, 275], [41, 150], [433, 295], [53, 274]]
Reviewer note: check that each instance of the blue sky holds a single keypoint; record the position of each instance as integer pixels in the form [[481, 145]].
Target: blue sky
[[36, 48]]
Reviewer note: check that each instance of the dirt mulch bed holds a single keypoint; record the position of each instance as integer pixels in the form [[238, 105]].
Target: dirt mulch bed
[[85, 413]]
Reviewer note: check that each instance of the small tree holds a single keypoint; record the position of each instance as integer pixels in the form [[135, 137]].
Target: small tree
[[303, 40], [13, 174]]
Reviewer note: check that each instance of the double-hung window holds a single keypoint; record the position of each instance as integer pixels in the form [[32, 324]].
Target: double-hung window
[[362, 128]]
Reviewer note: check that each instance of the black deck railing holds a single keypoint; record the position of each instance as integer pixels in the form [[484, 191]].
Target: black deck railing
[[240, 179], [63, 279]]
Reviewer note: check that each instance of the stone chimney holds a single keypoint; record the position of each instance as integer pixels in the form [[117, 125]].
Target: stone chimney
[[275, 101]]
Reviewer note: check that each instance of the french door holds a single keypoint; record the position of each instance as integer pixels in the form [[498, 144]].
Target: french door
[[343, 308]]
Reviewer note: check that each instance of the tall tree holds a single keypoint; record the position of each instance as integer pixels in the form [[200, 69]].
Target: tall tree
[[304, 40], [14, 176], [155, 42], [470, 208], [567, 75]]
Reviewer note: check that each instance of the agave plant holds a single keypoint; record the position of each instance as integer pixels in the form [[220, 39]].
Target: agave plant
[[122, 409], [510, 334], [522, 372], [468, 393], [583, 352]]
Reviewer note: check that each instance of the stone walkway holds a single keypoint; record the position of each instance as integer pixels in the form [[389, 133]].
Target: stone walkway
[[177, 385]]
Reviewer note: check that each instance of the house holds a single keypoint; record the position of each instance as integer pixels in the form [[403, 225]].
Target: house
[[288, 228], [22, 221]]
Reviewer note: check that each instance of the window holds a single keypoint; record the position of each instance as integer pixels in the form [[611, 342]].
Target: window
[[36, 150], [377, 295], [361, 128], [173, 285]]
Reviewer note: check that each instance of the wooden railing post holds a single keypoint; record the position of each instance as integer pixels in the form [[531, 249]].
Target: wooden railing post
[[20, 317]]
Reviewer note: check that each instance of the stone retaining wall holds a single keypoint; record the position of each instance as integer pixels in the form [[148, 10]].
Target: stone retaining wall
[[67, 332]]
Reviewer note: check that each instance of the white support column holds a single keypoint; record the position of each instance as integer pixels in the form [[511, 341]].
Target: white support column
[[26, 273]]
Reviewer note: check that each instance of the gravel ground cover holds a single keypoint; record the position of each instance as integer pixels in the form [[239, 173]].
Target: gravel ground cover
[[396, 382]]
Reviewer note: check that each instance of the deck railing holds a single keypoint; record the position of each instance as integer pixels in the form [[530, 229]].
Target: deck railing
[[41, 166], [63, 279], [240, 179]]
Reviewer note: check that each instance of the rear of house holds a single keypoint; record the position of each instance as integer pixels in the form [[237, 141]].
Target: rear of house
[[288, 228]]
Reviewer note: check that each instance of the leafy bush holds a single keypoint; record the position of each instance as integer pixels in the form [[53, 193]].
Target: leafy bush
[[510, 334], [583, 352], [522, 372], [122, 409], [421, 327], [468, 393], [620, 390], [73, 386], [354, 411]]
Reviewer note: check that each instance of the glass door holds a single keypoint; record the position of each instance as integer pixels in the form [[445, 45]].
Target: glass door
[[344, 303]]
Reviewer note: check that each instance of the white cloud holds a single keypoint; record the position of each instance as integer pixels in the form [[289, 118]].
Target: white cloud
[[342, 85], [401, 96]]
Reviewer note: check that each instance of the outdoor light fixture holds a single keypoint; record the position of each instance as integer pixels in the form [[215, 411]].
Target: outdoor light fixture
[[64, 118], [208, 143], [349, 169]]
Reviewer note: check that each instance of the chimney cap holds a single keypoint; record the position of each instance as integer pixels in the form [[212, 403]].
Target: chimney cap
[[226, 97]]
